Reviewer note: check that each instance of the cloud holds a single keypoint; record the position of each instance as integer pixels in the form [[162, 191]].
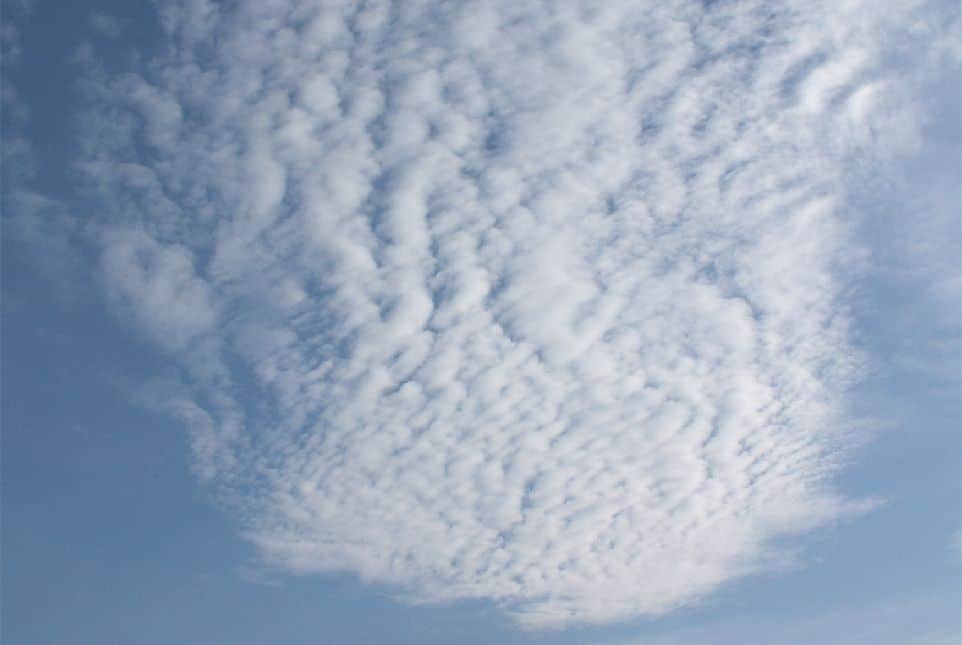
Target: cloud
[[533, 303], [38, 229], [157, 284], [106, 25], [921, 618]]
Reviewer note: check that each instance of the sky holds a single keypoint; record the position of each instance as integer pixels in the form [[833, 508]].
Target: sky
[[615, 323]]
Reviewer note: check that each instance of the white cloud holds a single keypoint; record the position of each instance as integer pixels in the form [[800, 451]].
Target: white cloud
[[157, 285], [921, 618], [531, 303]]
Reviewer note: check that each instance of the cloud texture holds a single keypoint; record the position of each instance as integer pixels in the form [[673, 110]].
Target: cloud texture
[[531, 302]]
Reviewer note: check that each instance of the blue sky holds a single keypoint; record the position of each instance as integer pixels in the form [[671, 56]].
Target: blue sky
[[389, 333]]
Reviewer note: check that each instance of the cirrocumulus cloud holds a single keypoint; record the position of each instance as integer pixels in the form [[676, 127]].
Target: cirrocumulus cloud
[[531, 302]]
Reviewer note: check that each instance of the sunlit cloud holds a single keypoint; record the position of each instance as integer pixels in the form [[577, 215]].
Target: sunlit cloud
[[540, 304]]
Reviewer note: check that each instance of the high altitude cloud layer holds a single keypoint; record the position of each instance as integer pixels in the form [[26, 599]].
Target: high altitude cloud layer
[[530, 302]]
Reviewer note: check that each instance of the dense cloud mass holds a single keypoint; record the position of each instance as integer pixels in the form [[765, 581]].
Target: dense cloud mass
[[531, 302]]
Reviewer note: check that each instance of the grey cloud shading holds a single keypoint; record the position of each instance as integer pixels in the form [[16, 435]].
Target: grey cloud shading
[[536, 303]]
